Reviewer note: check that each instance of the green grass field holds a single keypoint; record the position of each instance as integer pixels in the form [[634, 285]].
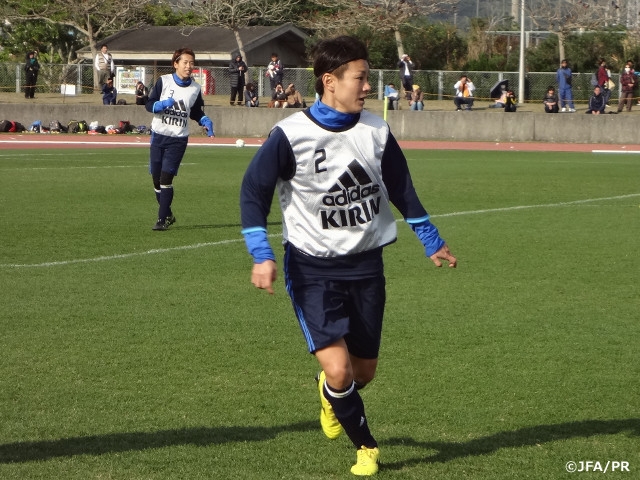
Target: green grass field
[[132, 354]]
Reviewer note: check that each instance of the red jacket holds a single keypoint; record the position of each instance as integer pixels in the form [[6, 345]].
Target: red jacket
[[603, 76], [627, 81]]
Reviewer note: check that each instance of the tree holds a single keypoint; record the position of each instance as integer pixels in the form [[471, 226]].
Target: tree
[[89, 20], [343, 16], [54, 43], [564, 17], [584, 50], [235, 15]]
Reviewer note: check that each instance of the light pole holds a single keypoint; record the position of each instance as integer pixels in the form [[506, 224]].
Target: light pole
[[521, 64]]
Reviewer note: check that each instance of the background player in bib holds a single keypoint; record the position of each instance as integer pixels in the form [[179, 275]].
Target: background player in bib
[[174, 99], [337, 169]]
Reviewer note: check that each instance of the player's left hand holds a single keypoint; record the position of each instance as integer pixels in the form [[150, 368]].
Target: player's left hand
[[444, 254], [208, 125]]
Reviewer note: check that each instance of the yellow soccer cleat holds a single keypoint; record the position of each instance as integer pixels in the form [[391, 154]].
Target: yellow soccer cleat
[[367, 461], [330, 424]]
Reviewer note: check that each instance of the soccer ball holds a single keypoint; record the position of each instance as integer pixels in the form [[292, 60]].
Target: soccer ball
[[239, 143]]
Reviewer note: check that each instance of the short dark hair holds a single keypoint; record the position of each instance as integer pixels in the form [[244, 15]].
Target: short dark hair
[[329, 55], [181, 51]]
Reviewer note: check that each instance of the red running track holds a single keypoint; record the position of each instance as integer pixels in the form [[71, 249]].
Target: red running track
[[57, 141]]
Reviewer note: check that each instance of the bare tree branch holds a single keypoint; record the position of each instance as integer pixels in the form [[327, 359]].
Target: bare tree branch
[[566, 16], [235, 15], [343, 16]]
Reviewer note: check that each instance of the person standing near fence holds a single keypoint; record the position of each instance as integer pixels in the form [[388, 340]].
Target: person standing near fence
[[104, 65], [406, 75], [174, 99], [31, 69], [565, 91], [627, 85], [237, 71], [603, 76], [275, 71]]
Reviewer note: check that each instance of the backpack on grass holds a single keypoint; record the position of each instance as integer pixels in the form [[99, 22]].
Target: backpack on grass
[[77, 126], [11, 126]]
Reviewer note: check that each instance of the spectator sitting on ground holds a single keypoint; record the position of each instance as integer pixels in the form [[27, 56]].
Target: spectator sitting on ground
[[500, 102], [417, 98], [510, 103], [278, 97], [109, 93], [391, 94], [251, 96], [142, 93], [550, 101], [294, 99], [464, 93], [597, 102]]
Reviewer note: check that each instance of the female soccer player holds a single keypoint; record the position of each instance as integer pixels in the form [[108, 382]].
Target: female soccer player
[[337, 168], [174, 99]]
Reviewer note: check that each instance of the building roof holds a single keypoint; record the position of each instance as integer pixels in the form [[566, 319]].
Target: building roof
[[211, 44]]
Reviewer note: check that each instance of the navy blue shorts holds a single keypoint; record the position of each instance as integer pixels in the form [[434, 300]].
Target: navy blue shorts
[[330, 308], [166, 153]]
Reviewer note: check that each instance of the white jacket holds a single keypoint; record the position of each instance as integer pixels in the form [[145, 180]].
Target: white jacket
[[470, 87]]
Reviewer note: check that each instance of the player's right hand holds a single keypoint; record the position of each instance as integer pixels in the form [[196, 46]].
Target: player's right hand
[[264, 274], [167, 103]]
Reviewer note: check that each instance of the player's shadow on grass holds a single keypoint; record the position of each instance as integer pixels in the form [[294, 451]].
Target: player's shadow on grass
[[136, 441], [524, 437]]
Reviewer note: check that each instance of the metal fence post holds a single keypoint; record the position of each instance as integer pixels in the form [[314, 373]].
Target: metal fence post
[[260, 82], [380, 85], [440, 84], [18, 72]]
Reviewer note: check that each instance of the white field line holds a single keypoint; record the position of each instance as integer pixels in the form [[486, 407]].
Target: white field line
[[237, 240], [632, 152], [138, 143], [87, 167], [547, 205]]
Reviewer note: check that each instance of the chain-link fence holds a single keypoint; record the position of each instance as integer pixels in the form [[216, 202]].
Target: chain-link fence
[[436, 84]]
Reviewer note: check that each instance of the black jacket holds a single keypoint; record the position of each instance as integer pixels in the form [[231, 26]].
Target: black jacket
[[236, 75], [597, 103], [31, 68]]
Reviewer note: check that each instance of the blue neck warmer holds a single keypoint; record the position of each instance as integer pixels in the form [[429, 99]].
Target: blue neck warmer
[[330, 117], [181, 82]]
